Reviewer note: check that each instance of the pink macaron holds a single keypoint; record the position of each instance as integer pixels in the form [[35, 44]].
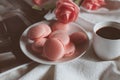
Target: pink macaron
[[59, 26], [53, 49], [61, 36], [40, 41], [36, 49], [41, 30], [37, 45], [78, 38], [47, 31], [69, 49]]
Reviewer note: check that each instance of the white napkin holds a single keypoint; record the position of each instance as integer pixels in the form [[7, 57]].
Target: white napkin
[[88, 67]]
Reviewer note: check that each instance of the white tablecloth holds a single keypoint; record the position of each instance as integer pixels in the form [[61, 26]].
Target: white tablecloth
[[88, 67]]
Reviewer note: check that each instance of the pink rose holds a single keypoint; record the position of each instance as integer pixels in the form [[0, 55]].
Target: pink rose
[[93, 4], [39, 2], [66, 11]]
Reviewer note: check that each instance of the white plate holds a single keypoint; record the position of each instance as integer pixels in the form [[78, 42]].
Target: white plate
[[111, 7], [25, 42]]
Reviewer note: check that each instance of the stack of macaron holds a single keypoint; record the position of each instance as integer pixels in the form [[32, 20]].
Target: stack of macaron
[[53, 41]]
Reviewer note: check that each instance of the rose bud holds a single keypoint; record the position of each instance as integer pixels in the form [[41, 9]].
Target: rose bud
[[66, 11]]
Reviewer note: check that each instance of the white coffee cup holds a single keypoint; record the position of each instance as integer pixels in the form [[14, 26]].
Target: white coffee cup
[[106, 49]]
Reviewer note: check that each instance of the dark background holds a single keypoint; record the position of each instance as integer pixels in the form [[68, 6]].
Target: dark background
[[15, 17]]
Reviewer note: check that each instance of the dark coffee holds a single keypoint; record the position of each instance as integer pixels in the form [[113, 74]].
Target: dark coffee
[[109, 32]]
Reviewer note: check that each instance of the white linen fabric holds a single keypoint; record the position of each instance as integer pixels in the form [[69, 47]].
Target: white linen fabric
[[88, 67]]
